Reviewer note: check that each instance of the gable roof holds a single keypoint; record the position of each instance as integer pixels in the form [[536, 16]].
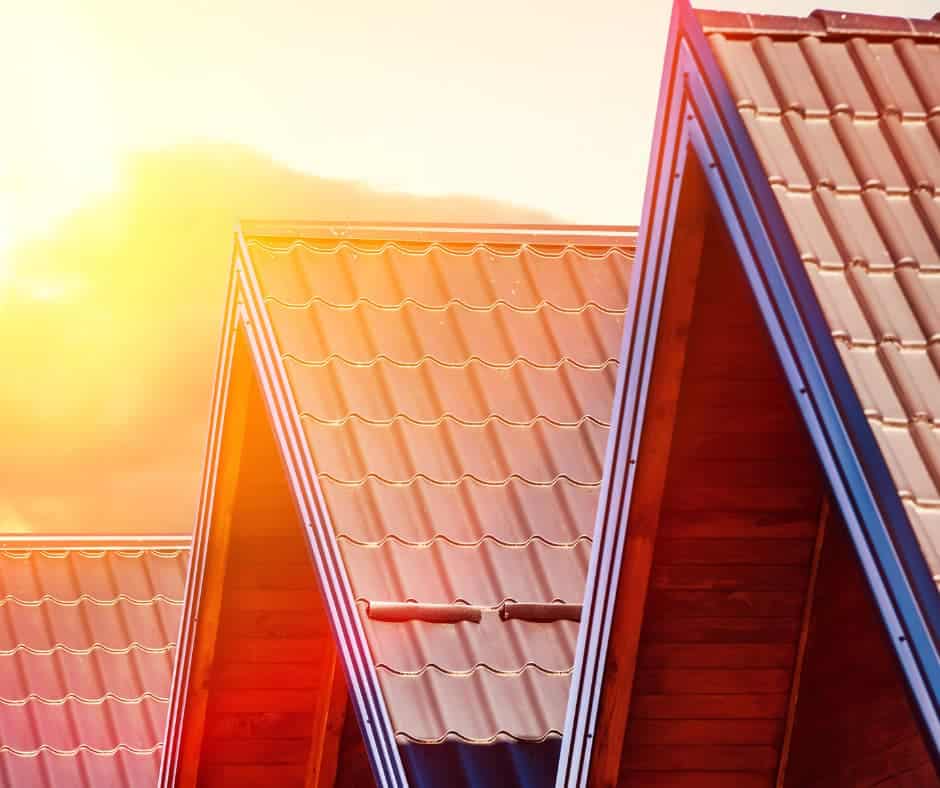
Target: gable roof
[[87, 636], [441, 397], [819, 143]]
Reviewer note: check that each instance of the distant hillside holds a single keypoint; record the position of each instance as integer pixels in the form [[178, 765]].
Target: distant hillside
[[108, 333]]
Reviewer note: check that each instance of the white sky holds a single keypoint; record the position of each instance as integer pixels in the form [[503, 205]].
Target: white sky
[[548, 104]]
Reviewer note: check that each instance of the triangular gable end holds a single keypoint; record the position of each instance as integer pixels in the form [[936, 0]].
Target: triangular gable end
[[259, 692], [704, 155], [452, 385]]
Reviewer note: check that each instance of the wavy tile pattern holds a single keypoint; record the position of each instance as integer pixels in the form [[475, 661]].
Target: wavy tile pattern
[[457, 398], [87, 636], [848, 130]]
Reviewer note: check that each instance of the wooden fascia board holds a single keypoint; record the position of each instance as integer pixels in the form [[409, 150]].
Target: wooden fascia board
[[365, 691], [179, 763], [328, 719], [854, 465]]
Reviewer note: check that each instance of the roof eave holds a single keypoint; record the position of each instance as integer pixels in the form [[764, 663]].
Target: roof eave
[[859, 477]]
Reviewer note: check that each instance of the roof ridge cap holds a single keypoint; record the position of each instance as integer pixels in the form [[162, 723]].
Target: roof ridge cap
[[822, 23]]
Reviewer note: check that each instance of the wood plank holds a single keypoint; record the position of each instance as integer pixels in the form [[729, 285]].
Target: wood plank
[[234, 428], [261, 725], [260, 649], [667, 732], [693, 497], [725, 604], [271, 752], [711, 757], [711, 440], [274, 624], [271, 675], [276, 575], [252, 776], [691, 779], [761, 552], [786, 524], [685, 254], [762, 471], [711, 681], [260, 700], [700, 706], [254, 599], [722, 630], [729, 578], [717, 655]]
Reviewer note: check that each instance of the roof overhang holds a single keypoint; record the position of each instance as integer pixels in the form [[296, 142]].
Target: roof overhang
[[697, 120]]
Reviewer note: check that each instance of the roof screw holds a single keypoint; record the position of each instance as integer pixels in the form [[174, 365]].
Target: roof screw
[[902, 639], [712, 165]]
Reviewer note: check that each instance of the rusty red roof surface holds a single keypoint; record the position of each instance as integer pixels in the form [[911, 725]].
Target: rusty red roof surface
[[87, 635], [455, 388], [844, 112]]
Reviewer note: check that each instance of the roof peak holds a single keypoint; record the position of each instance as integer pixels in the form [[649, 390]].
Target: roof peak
[[821, 23]]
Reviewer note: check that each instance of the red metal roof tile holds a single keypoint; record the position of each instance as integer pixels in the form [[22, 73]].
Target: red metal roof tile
[[455, 389], [87, 635], [843, 110]]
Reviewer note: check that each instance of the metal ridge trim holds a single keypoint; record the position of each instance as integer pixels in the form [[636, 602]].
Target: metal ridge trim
[[548, 234], [146, 542], [365, 690], [821, 23]]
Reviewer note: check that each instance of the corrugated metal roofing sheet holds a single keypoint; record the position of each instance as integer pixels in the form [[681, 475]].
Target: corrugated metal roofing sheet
[[87, 635], [456, 392], [844, 111]]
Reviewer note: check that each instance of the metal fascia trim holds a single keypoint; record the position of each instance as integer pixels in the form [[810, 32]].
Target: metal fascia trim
[[552, 235], [636, 359], [364, 686], [179, 687]]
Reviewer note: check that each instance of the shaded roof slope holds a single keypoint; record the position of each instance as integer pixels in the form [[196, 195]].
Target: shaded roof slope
[[844, 112], [455, 386], [87, 636]]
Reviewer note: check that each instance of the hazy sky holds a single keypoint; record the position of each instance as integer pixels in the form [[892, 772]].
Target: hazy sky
[[545, 103]]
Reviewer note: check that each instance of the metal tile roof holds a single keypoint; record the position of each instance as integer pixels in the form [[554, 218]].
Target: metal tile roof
[[87, 635], [844, 112], [455, 387]]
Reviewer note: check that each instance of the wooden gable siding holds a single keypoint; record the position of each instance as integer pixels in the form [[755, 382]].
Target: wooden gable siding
[[274, 653], [854, 725], [732, 558]]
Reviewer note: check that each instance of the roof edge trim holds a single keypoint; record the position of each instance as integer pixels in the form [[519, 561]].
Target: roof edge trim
[[95, 542], [179, 686], [548, 234]]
